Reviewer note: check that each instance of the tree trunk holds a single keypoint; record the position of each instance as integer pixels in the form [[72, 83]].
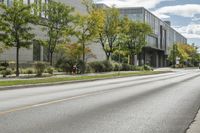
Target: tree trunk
[[83, 52], [17, 61], [51, 58], [130, 59], [49, 54], [108, 58], [135, 60], [144, 57], [83, 71]]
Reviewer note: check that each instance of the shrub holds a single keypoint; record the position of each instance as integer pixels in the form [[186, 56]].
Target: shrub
[[138, 68], [2, 68], [97, 66], [4, 64], [88, 68], [148, 68], [29, 71], [107, 66], [6, 72], [50, 70], [65, 64], [39, 67], [101, 66], [126, 67], [81, 66], [179, 66], [116, 66]]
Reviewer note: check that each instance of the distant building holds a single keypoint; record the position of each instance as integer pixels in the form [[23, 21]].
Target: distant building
[[159, 43]]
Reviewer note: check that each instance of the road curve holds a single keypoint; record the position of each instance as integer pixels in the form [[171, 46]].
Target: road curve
[[163, 103]]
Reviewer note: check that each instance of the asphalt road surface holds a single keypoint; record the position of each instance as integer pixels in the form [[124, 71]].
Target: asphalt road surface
[[164, 103]]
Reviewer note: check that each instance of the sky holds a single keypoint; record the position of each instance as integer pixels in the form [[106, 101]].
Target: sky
[[183, 14]]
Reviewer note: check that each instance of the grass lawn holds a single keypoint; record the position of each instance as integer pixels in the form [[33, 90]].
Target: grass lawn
[[75, 78]]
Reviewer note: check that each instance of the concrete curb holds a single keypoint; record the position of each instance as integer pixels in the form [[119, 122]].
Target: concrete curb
[[194, 125], [49, 84], [3, 88]]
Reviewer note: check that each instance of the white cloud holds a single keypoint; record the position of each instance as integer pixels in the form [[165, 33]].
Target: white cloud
[[196, 18], [131, 3], [187, 10], [191, 31]]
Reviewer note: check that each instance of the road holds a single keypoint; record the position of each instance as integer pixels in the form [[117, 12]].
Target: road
[[164, 103]]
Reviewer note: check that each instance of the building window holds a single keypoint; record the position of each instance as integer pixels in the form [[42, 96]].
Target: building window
[[152, 41], [36, 51]]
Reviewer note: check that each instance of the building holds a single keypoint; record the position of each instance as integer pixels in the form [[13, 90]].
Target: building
[[38, 53], [159, 43], [154, 54]]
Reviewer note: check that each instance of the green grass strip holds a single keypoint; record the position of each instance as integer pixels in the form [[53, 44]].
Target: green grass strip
[[75, 78]]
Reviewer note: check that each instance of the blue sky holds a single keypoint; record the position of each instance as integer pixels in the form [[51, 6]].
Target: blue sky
[[183, 14]]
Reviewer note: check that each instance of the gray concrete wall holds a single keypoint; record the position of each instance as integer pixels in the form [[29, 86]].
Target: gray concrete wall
[[96, 49], [26, 55]]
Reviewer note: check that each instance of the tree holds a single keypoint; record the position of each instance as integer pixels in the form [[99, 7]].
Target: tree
[[15, 24], [109, 30], [133, 36], [195, 55], [86, 29], [2, 47], [59, 25], [73, 51], [186, 53]]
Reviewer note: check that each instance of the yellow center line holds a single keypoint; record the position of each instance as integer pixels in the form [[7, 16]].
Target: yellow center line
[[50, 102]]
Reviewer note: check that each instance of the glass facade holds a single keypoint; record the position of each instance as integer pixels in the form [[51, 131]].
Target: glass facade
[[159, 42], [42, 14], [163, 35], [9, 2], [133, 14], [152, 41]]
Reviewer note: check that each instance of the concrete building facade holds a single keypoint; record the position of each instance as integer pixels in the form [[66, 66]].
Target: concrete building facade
[[154, 54], [39, 53]]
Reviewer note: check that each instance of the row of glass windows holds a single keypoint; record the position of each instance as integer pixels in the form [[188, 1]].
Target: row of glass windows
[[152, 41], [131, 11], [135, 17], [153, 22], [9, 2], [133, 14]]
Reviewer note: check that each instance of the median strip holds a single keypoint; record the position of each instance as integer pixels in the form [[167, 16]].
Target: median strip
[[18, 83]]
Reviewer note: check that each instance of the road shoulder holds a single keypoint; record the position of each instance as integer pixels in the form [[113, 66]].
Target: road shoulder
[[195, 125]]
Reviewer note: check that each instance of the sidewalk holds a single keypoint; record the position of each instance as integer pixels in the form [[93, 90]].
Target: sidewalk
[[175, 69], [195, 126]]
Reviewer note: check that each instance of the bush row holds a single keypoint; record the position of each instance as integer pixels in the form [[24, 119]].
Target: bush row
[[39, 68], [66, 65], [106, 66]]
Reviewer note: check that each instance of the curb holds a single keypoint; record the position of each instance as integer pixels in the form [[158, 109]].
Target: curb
[[194, 125], [49, 84]]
